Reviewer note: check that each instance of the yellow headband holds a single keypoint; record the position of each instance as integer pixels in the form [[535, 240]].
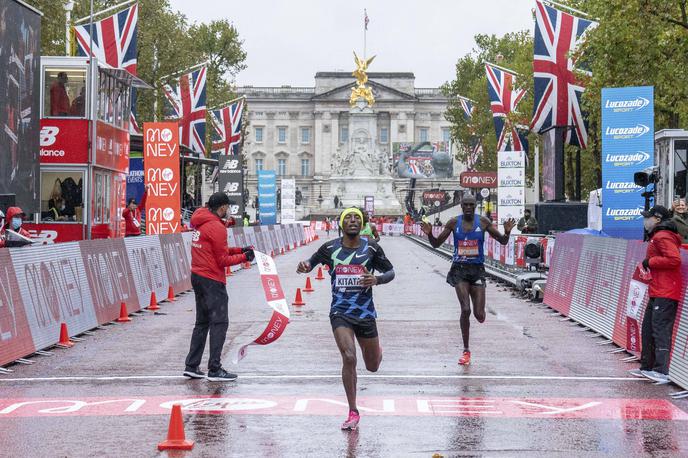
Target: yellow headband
[[348, 211]]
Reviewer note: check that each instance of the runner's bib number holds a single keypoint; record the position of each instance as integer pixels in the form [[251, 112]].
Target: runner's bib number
[[348, 277], [468, 248]]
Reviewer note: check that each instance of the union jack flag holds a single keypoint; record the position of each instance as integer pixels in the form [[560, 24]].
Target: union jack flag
[[227, 127], [476, 147], [467, 106], [557, 90], [114, 43], [503, 101], [186, 103]]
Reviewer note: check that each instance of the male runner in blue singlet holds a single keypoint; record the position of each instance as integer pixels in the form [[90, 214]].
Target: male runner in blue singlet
[[352, 261], [467, 273]]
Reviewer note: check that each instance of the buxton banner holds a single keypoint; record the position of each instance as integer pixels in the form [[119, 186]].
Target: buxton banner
[[627, 147], [161, 159]]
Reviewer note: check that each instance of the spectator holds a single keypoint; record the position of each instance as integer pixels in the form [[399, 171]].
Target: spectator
[[336, 201], [78, 105], [13, 221], [663, 260], [527, 224], [438, 223], [59, 100], [681, 218], [188, 201], [328, 226], [57, 209], [456, 197], [247, 221], [132, 215], [210, 255]]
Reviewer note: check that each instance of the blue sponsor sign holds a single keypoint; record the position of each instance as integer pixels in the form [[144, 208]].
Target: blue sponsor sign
[[135, 184], [267, 197], [628, 134]]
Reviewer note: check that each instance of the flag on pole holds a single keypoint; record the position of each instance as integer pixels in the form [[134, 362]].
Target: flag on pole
[[227, 128], [366, 20], [185, 102], [557, 90], [503, 101], [114, 43]]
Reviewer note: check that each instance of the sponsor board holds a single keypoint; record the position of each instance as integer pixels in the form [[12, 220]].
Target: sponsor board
[[231, 181], [161, 159], [478, 179], [508, 178], [112, 147], [267, 197], [63, 141]]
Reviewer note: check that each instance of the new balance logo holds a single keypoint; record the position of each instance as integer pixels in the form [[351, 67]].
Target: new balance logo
[[48, 135]]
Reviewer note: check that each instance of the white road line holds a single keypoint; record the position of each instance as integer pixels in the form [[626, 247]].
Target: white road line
[[327, 377]]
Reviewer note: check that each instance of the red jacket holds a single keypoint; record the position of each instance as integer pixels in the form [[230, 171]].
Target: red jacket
[[665, 262], [11, 213], [132, 219], [209, 251]]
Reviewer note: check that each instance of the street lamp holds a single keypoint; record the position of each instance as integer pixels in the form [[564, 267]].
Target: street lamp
[[68, 7]]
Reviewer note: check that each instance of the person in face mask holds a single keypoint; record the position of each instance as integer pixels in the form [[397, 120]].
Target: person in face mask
[[681, 218], [663, 260], [14, 220]]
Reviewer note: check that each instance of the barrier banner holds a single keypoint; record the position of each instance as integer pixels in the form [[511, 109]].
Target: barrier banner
[[627, 147], [176, 261], [275, 300], [634, 301], [161, 159], [267, 197], [147, 267], [15, 334]]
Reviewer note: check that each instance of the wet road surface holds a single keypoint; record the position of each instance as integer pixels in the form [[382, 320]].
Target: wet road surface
[[538, 386]]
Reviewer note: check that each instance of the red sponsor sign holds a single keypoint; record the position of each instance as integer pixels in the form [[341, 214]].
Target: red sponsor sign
[[112, 147], [48, 233], [479, 179], [161, 159], [16, 340], [64, 141], [271, 287]]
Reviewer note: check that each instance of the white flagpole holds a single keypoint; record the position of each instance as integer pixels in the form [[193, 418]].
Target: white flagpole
[[186, 70], [365, 33], [91, 16]]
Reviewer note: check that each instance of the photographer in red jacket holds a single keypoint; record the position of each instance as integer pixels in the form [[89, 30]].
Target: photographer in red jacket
[[210, 254], [663, 260]]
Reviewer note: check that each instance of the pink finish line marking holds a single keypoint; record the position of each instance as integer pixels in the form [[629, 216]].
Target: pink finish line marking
[[571, 408]]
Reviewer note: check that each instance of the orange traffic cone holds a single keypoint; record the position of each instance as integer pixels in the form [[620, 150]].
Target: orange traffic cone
[[298, 300], [176, 440], [272, 253], [282, 252], [170, 294], [123, 314], [320, 275], [309, 287], [64, 337], [153, 302]]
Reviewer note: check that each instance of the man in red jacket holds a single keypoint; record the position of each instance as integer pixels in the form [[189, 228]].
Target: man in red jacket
[[14, 221], [663, 260], [132, 215], [209, 257]]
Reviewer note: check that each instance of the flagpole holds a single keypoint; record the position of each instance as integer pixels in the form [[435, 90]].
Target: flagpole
[[504, 69], [222, 105], [180, 72], [365, 34], [91, 16], [573, 10]]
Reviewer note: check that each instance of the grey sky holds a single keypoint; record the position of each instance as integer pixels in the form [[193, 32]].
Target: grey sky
[[287, 41]]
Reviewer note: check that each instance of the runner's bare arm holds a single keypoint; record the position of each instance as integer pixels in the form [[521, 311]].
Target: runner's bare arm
[[492, 230], [446, 232]]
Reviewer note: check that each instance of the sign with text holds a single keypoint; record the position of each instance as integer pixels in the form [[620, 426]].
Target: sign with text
[[288, 205], [64, 141], [161, 159], [627, 147], [267, 197], [369, 205], [511, 195], [230, 179], [112, 147], [478, 179]]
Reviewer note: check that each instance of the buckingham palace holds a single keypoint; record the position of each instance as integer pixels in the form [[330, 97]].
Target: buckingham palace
[[299, 131]]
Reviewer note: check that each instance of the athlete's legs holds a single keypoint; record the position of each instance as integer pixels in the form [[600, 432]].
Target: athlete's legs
[[478, 298], [372, 356], [347, 347], [463, 293]]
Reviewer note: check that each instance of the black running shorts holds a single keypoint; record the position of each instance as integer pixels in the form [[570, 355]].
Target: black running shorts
[[474, 274], [365, 328]]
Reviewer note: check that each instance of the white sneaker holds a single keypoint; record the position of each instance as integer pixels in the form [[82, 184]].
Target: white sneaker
[[636, 373], [656, 377]]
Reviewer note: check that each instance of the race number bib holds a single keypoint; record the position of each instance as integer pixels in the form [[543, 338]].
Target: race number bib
[[348, 277], [468, 248]]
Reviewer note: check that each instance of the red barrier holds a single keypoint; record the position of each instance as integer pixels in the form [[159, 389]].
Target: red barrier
[[83, 284], [589, 281]]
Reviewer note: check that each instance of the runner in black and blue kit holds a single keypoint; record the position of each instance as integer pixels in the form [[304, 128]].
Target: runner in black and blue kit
[[467, 273], [352, 261]]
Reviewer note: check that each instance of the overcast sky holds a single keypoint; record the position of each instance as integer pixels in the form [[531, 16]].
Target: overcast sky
[[287, 41]]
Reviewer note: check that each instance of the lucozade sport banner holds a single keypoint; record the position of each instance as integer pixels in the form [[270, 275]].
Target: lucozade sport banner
[[161, 162]]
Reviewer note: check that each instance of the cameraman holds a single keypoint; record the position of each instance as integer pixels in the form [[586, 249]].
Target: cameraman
[[210, 255], [663, 260]]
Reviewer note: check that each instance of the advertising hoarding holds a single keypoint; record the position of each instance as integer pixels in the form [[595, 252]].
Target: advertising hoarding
[[511, 194], [64, 141], [267, 197], [230, 179], [161, 159], [478, 179], [288, 205]]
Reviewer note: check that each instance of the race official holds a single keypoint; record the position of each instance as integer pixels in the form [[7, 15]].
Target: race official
[[132, 215], [210, 255]]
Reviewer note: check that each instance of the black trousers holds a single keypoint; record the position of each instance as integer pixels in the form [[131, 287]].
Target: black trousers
[[212, 315], [658, 327]]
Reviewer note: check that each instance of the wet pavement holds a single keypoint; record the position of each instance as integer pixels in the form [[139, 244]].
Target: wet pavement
[[538, 386]]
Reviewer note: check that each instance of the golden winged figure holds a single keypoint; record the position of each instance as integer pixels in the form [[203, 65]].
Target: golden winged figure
[[361, 90]]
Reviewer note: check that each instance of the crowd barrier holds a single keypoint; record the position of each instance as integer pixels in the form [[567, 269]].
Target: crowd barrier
[[83, 283], [510, 255], [589, 281]]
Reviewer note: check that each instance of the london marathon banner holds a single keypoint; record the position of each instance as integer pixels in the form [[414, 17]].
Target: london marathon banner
[[627, 147], [267, 197], [231, 181], [161, 159]]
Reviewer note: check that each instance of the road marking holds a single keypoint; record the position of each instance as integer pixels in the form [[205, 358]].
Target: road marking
[[327, 377]]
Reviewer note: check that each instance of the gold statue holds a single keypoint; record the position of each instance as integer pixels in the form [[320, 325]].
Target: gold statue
[[361, 91]]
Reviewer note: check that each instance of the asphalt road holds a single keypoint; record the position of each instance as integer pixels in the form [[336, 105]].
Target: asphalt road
[[538, 386]]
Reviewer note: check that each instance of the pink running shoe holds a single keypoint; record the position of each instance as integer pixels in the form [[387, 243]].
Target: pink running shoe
[[351, 423]]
